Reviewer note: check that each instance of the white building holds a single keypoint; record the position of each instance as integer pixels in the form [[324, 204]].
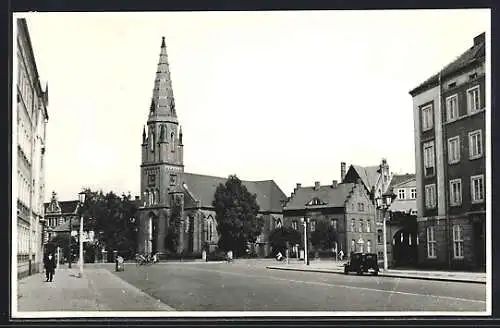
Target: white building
[[32, 118]]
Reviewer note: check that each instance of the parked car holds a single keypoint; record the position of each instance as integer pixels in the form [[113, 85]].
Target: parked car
[[361, 263]]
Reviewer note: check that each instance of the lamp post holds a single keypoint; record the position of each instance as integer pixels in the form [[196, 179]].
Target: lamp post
[[305, 222], [383, 203], [81, 198]]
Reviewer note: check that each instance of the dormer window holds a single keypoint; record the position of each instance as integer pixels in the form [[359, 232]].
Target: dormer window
[[315, 202]]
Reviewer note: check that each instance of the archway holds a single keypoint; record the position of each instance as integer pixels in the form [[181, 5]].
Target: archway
[[405, 248]]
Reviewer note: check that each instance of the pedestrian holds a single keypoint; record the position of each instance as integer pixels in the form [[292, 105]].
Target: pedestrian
[[341, 255], [49, 263]]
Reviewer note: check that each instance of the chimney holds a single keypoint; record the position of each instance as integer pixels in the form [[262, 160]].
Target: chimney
[[334, 183], [342, 171], [479, 39], [316, 185], [298, 186]]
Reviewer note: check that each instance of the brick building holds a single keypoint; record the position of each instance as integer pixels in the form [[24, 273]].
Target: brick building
[[449, 124], [163, 180], [346, 206], [32, 117]]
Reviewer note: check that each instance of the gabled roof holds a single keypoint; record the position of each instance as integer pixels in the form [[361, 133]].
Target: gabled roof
[[202, 189], [67, 206], [332, 196], [475, 53], [369, 175], [398, 179]]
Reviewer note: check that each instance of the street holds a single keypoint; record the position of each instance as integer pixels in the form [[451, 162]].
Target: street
[[241, 286]]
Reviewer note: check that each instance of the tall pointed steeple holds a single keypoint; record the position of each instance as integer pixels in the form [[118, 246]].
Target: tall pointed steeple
[[162, 103]]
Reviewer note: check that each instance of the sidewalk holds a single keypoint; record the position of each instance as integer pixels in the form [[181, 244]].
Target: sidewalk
[[338, 267], [97, 290]]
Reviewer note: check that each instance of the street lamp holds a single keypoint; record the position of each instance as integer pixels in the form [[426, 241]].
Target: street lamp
[[383, 203], [305, 222], [81, 199]]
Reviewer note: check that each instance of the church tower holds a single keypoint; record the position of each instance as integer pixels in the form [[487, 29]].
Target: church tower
[[162, 162]]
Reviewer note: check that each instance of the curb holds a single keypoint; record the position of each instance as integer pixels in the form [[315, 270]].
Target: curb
[[381, 274]]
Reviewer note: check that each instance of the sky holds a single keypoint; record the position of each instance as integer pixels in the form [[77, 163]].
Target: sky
[[263, 95]]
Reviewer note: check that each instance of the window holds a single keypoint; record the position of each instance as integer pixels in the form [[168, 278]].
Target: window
[[431, 243], [473, 104], [360, 228], [369, 246], [455, 192], [477, 188], [427, 121], [278, 223], [172, 146], [353, 245], [353, 223], [430, 196], [458, 242], [452, 108], [361, 207], [413, 193], [429, 158], [454, 150], [313, 225], [401, 194], [172, 179], [333, 222], [475, 144], [368, 226], [294, 225]]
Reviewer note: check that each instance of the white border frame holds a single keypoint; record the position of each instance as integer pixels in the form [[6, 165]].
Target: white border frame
[[15, 314]]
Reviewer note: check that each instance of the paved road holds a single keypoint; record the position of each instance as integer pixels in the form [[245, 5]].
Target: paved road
[[243, 287]]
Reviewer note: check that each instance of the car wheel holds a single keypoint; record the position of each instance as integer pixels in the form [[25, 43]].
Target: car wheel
[[375, 273]]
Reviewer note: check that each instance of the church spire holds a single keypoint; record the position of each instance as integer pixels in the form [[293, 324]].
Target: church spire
[[162, 103]]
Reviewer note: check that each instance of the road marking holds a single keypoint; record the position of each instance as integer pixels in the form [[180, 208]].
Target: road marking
[[337, 285]]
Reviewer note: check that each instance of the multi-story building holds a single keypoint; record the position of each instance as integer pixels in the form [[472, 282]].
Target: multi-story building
[[58, 213], [376, 180], [32, 118], [449, 124], [347, 207], [163, 182]]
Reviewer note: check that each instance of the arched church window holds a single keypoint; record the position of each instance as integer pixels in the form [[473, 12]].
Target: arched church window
[[152, 141], [151, 198], [145, 199], [172, 147], [157, 196]]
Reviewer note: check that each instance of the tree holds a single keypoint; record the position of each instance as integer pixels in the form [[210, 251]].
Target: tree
[[109, 216], [174, 225], [279, 238], [62, 241], [236, 212], [324, 236]]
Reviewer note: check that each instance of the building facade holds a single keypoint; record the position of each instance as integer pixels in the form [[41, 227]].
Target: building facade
[[57, 213], [449, 124], [347, 207], [164, 182], [32, 117], [376, 180]]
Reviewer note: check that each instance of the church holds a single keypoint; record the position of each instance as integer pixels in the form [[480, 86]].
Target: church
[[165, 187]]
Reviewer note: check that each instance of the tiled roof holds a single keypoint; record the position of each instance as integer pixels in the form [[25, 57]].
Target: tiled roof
[[369, 175], [400, 178], [333, 197], [474, 53], [202, 188], [67, 206]]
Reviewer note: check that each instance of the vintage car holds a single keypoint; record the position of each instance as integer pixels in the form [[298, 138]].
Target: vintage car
[[362, 262]]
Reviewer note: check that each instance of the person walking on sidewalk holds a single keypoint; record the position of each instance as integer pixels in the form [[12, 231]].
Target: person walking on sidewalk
[[49, 263]]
